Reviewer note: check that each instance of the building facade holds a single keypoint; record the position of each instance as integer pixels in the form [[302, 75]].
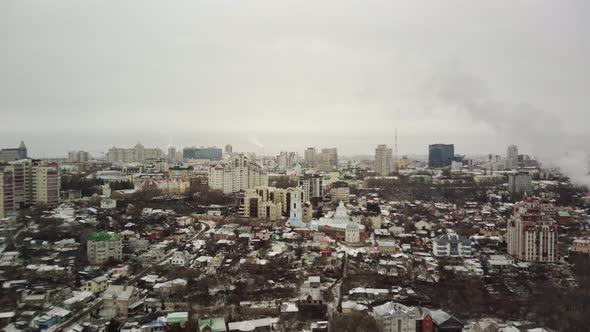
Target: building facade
[[210, 153], [395, 317], [532, 233], [310, 157], [102, 246], [14, 153], [236, 174], [383, 158], [78, 156], [327, 159], [28, 182], [512, 157], [313, 189], [451, 245], [520, 183], [340, 192], [136, 154], [440, 155]]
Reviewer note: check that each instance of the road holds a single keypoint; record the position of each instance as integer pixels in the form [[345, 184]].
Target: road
[[77, 316]]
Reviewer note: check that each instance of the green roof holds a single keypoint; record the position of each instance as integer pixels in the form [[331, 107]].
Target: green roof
[[177, 317], [215, 324], [563, 214], [103, 237]]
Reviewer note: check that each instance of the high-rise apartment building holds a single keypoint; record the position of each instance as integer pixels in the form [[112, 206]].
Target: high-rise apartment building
[[29, 182], [285, 160], [268, 202], [532, 232], [520, 183], [383, 157], [172, 155], [238, 173], [229, 149], [6, 191], [14, 153], [512, 157], [310, 157], [313, 190], [137, 154], [441, 155], [78, 156], [211, 153], [102, 246], [327, 159]]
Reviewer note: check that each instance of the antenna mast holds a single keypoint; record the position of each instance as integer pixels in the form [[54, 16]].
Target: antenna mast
[[395, 154]]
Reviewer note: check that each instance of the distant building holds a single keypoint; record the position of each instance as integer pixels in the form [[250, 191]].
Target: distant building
[[168, 186], [532, 232], [285, 160], [102, 246], [521, 183], [310, 157], [78, 156], [313, 189], [512, 157], [268, 202], [327, 159], [451, 245], [440, 155], [172, 155], [211, 153], [340, 192], [383, 158], [229, 149], [14, 153], [137, 154], [27, 182], [236, 174]]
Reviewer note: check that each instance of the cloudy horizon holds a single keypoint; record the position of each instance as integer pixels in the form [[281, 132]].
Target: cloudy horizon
[[291, 74]]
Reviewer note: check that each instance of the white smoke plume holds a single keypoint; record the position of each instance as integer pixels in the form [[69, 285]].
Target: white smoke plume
[[544, 131]]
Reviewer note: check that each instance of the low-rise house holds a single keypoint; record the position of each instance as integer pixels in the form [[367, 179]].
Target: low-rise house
[[451, 245], [388, 247], [216, 324], [117, 300], [395, 317], [423, 225], [96, 285], [444, 322], [177, 319], [263, 324], [50, 318], [179, 258]]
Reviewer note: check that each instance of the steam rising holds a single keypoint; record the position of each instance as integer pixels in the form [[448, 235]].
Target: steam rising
[[522, 123]]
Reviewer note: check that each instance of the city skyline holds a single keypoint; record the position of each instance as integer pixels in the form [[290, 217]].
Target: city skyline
[[376, 66]]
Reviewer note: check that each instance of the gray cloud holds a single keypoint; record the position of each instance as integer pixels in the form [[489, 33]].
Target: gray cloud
[[91, 74], [541, 131]]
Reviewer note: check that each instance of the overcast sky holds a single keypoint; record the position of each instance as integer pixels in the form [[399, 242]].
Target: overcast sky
[[275, 75]]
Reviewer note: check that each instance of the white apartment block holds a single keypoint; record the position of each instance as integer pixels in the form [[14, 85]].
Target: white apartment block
[[238, 173], [383, 158], [102, 246], [521, 182], [532, 234], [138, 154]]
